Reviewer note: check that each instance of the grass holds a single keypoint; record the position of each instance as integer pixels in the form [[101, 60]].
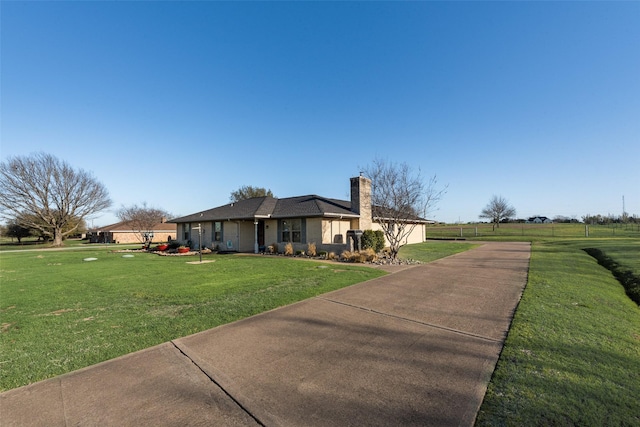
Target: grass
[[59, 313], [31, 243], [531, 232], [431, 251], [572, 356]]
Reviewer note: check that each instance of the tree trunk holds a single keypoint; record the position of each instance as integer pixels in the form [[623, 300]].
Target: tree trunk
[[57, 237]]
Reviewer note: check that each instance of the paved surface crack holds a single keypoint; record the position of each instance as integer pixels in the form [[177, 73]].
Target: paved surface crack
[[213, 380], [431, 325]]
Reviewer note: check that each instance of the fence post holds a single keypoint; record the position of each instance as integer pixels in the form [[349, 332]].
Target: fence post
[[460, 231], [476, 231], [586, 230]]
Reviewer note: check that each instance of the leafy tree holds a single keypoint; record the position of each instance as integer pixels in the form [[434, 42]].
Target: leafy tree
[[48, 195], [142, 219], [498, 210], [247, 192], [15, 230], [401, 198]]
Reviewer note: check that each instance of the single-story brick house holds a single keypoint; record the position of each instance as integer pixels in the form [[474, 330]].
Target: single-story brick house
[[122, 232], [253, 224]]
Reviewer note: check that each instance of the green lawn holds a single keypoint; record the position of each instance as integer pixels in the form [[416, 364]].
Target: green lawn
[[572, 356], [431, 250], [531, 232], [30, 243], [59, 313]]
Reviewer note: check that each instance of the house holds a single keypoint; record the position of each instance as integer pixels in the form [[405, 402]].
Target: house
[[122, 232], [253, 224], [539, 220]]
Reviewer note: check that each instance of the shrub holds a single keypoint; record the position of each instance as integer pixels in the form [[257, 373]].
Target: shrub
[[323, 254], [300, 252], [369, 255], [273, 248], [288, 249], [346, 256], [311, 249], [373, 240], [379, 241], [368, 239], [349, 256], [174, 244], [332, 256]]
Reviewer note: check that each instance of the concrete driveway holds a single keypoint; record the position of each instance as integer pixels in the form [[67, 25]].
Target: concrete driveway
[[416, 347]]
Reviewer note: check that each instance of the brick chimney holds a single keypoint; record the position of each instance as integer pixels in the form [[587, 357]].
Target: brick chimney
[[361, 201]]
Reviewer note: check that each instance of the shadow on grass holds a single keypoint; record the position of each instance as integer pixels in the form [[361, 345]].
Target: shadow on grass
[[629, 281]]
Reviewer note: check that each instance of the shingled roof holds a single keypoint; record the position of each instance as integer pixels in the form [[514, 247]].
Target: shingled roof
[[271, 207]]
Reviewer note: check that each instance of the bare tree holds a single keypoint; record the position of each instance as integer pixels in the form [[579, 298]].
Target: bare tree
[[46, 194], [142, 219], [247, 192], [498, 210], [400, 199]]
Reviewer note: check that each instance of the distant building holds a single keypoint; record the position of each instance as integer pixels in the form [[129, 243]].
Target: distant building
[[539, 220], [122, 232]]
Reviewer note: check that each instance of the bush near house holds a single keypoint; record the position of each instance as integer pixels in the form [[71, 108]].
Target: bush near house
[[373, 240], [288, 249], [312, 250]]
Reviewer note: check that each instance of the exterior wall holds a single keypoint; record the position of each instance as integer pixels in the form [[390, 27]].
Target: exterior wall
[[270, 232], [314, 231], [334, 231], [230, 236], [418, 234], [238, 236], [135, 237], [329, 235], [204, 236], [247, 236]]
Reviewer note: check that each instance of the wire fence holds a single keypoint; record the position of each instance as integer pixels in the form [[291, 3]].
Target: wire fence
[[533, 230]]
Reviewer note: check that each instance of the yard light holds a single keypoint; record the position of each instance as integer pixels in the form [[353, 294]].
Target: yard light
[[199, 228]]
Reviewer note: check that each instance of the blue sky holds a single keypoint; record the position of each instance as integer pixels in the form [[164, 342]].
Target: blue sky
[[177, 104]]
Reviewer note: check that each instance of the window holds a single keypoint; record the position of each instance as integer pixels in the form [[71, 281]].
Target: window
[[185, 229], [217, 231], [291, 230]]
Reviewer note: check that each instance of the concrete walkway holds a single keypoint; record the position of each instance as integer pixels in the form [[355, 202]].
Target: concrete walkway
[[416, 347]]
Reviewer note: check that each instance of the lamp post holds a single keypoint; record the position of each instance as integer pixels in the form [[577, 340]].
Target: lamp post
[[199, 228]]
